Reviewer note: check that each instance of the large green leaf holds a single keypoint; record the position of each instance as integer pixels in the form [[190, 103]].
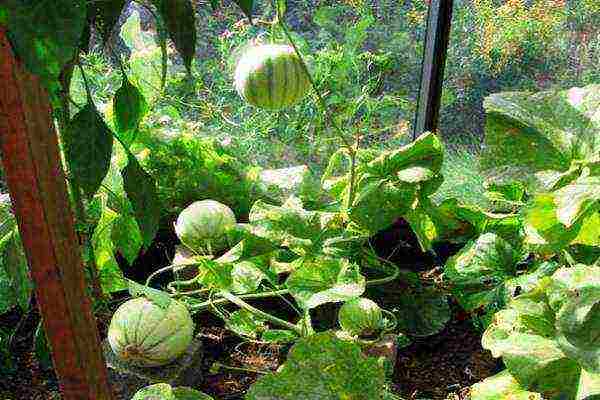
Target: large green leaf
[[577, 199], [126, 237], [142, 193], [111, 276], [501, 386], [129, 109], [179, 18], [422, 313], [289, 225], [479, 268], [379, 202], [535, 137], [545, 232], [282, 183], [323, 367], [325, 280], [548, 338], [88, 148], [394, 183], [46, 34], [164, 391], [246, 324]]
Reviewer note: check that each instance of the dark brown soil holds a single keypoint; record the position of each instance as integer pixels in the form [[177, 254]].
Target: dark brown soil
[[446, 363]]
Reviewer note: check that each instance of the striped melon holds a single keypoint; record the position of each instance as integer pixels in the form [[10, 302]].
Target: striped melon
[[202, 226], [271, 76], [145, 335]]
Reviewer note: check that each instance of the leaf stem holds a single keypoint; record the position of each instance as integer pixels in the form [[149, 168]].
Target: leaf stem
[[242, 304], [85, 82], [208, 303]]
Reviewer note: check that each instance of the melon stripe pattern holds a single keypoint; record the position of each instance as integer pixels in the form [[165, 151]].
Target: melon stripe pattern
[[271, 76], [143, 334]]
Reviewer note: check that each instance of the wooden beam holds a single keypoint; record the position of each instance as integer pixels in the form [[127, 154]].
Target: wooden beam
[[439, 19], [38, 190]]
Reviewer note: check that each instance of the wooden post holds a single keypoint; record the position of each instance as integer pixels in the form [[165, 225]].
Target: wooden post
[[439, 19], [37, 186]]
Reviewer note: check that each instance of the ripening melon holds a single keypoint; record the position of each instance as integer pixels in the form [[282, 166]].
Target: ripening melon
[[145, 335], [271, 76]]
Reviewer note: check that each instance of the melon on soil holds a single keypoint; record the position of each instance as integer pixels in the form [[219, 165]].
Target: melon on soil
[[271, 76], [143, 334]]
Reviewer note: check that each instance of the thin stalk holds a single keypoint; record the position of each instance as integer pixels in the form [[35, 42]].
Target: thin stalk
[[387, 279], [245, 306], [353, 155], [321, 101], [238, 369], [205, 305]]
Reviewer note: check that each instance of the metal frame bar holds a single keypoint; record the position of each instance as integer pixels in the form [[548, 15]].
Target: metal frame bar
[[439, 18]]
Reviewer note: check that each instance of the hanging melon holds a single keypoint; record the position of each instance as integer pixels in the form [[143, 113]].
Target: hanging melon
[[143, 334], [271, 76]]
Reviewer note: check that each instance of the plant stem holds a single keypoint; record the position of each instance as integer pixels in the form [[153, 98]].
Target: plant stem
[[240, 369], [207, 304], [321, 101], [387, 279], [242, 304]]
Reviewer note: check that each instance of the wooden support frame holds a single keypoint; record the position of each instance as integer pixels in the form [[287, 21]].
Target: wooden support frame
[[439, 19], [38, 189]]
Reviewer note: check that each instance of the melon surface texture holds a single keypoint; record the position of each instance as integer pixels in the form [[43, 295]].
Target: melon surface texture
[[271, 76]]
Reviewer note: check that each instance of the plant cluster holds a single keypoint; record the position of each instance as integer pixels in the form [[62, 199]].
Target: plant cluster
[[526, 272]]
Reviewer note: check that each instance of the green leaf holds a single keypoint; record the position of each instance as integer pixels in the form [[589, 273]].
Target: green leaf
[[129, 108], [575, 200], [548, 337], [215, 275], [479, 269], [420, 160], [281, 9], [291, 226], [528, 134], [280, 184], [179, 18], [111, 276], [142, 193], [379, 203], [422, 313], [17, 270], [245, 324], [88, 148], [246, 6], [325, 280], [547, 234], [107, 13], [164, 391], [126, 237], [42, 348], [185, 393], [323, 367], [501, 386], [7, 295], [158, 297], [45, 34], [278, 336], [247, 276]]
